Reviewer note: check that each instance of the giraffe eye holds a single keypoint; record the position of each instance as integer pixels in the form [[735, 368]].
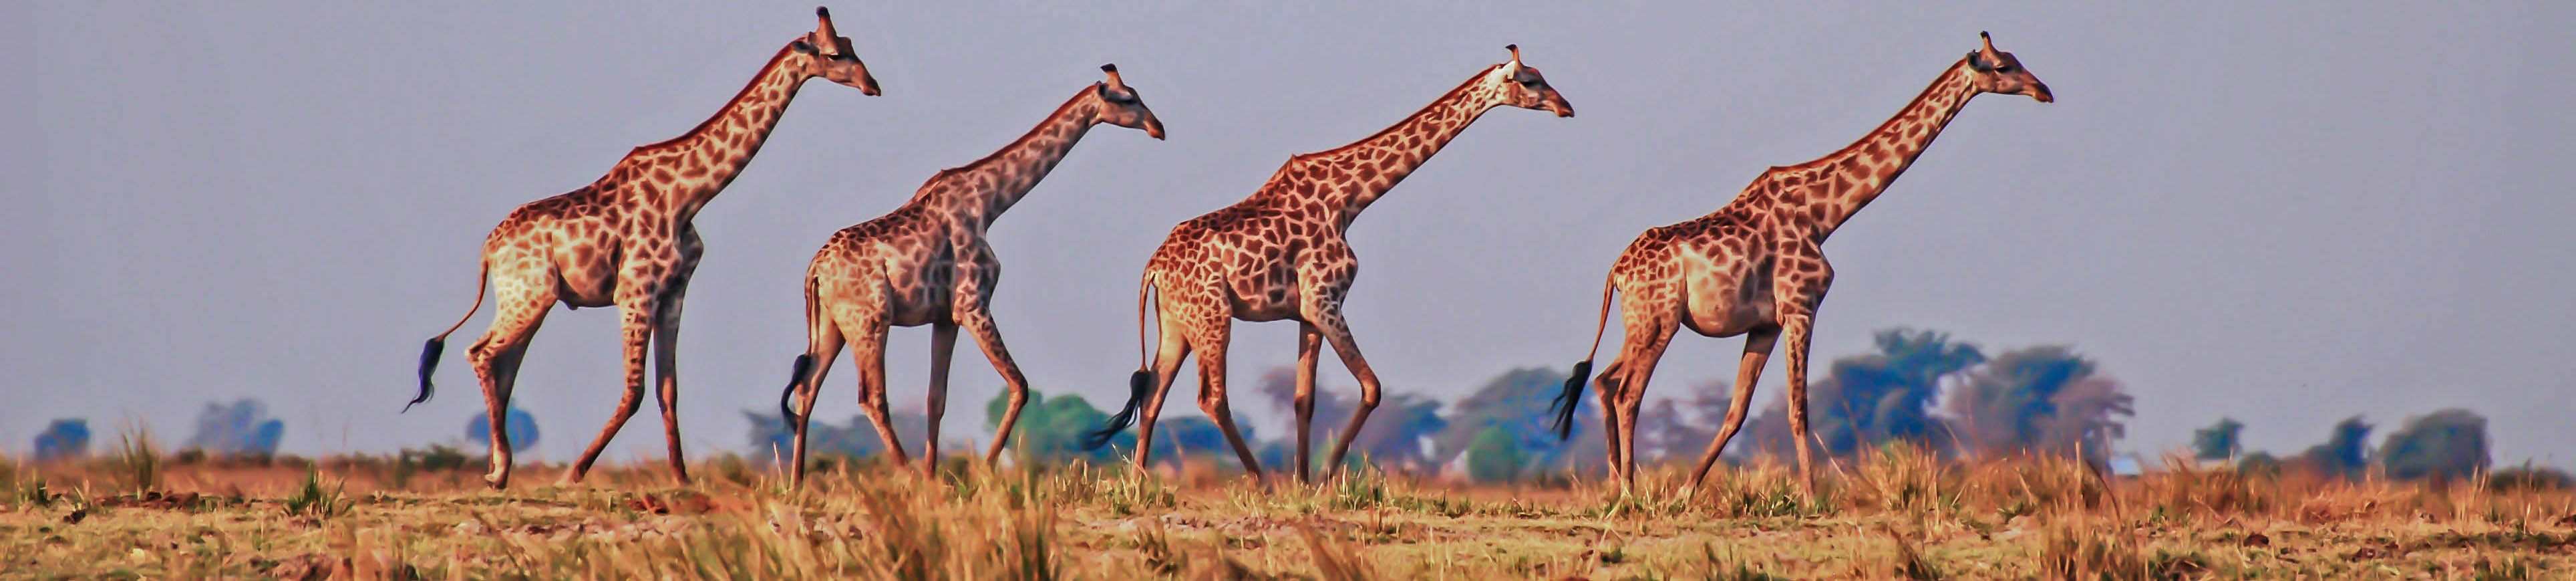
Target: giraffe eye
[[2003, 68]]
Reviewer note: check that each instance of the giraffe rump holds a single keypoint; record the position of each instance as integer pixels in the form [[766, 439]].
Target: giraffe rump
[[1142, 386]]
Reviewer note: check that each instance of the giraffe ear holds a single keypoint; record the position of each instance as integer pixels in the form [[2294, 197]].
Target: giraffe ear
[[1977, 62], [803, 45]]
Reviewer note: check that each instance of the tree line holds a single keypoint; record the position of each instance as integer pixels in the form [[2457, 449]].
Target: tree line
[[1914, 387]]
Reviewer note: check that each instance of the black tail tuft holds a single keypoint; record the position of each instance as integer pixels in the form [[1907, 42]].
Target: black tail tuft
[[428, 363], [1571, 398], [1141, 386], [804, 368]]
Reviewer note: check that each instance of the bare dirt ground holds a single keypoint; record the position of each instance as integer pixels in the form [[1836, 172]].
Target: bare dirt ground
[[1894, 515]]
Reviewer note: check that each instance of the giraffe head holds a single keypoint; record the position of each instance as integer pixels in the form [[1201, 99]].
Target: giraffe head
[[825, 53], [1121, 106], [1995, 71], [1520, 85]]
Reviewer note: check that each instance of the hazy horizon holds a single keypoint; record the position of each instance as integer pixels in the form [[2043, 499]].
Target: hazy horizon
[[2285, 212]]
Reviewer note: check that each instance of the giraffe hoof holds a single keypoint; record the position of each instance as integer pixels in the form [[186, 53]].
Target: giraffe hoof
[[497, 481]]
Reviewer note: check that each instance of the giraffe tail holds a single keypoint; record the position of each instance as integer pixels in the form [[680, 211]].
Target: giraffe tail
[[429, 352], [804, 367], [1572, 397], [1140, 385]]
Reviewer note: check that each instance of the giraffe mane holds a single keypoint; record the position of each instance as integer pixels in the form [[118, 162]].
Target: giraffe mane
[[989, 158], [738, 96], [1901, 113], [1408, 119]]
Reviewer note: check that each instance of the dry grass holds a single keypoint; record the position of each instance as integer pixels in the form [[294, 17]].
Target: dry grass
[[1894, 514]]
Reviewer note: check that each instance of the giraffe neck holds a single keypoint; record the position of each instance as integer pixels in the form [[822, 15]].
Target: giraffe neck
[[1857, 174], [686, 172], [977, 193], [1347, 179]]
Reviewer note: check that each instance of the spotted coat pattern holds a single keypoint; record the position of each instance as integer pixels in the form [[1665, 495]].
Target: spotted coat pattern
[[1281, 255], [928, 263], [626, 240], [1756, 267]]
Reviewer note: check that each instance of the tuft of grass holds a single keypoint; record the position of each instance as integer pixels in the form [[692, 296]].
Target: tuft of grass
[[1358, 488], [137, 460], [2071, 550], [1908, 478], [312, 500], [1129, 493], [1729, 568], [25, 487], [1334, 560], [1911, 563]]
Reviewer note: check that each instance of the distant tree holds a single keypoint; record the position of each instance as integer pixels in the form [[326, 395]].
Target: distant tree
[[1193, 436], [1394, 437], [856, 438], [1666, 428], [2259, 463], [65, 439], [242, 427], [2218, 441], [2445, 444], [2529, 477], [1517, 404], [1494, 455], [1052, 429], [522, 426], [2039, 399], [2345, 454], [1870, 399]]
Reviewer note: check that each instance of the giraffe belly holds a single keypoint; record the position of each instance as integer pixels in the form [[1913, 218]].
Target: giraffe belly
[[592, 285], [915, 303], [1727, 310], [1265, 303]]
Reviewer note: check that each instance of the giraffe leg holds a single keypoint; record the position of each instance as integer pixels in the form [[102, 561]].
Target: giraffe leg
[[1213, 400], [1337, 331], [1757, 351], [1795, 329], [1632, 390], [943, 345], [1606, 386], [666, 362], [868, 353], [979, 322], [666, 346], [495, 358], [1310, 347], [823, 346], [637, 328], [1167, 367]]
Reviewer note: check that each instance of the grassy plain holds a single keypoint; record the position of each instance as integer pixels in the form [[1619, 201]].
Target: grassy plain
[[1896, 514]]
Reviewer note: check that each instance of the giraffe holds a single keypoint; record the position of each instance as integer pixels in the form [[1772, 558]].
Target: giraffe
[[927, 262], [626, 240], [1756, 266], [1280, 255]]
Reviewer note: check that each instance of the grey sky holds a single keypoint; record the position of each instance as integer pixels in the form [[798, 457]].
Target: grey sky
[[2284, 212]]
